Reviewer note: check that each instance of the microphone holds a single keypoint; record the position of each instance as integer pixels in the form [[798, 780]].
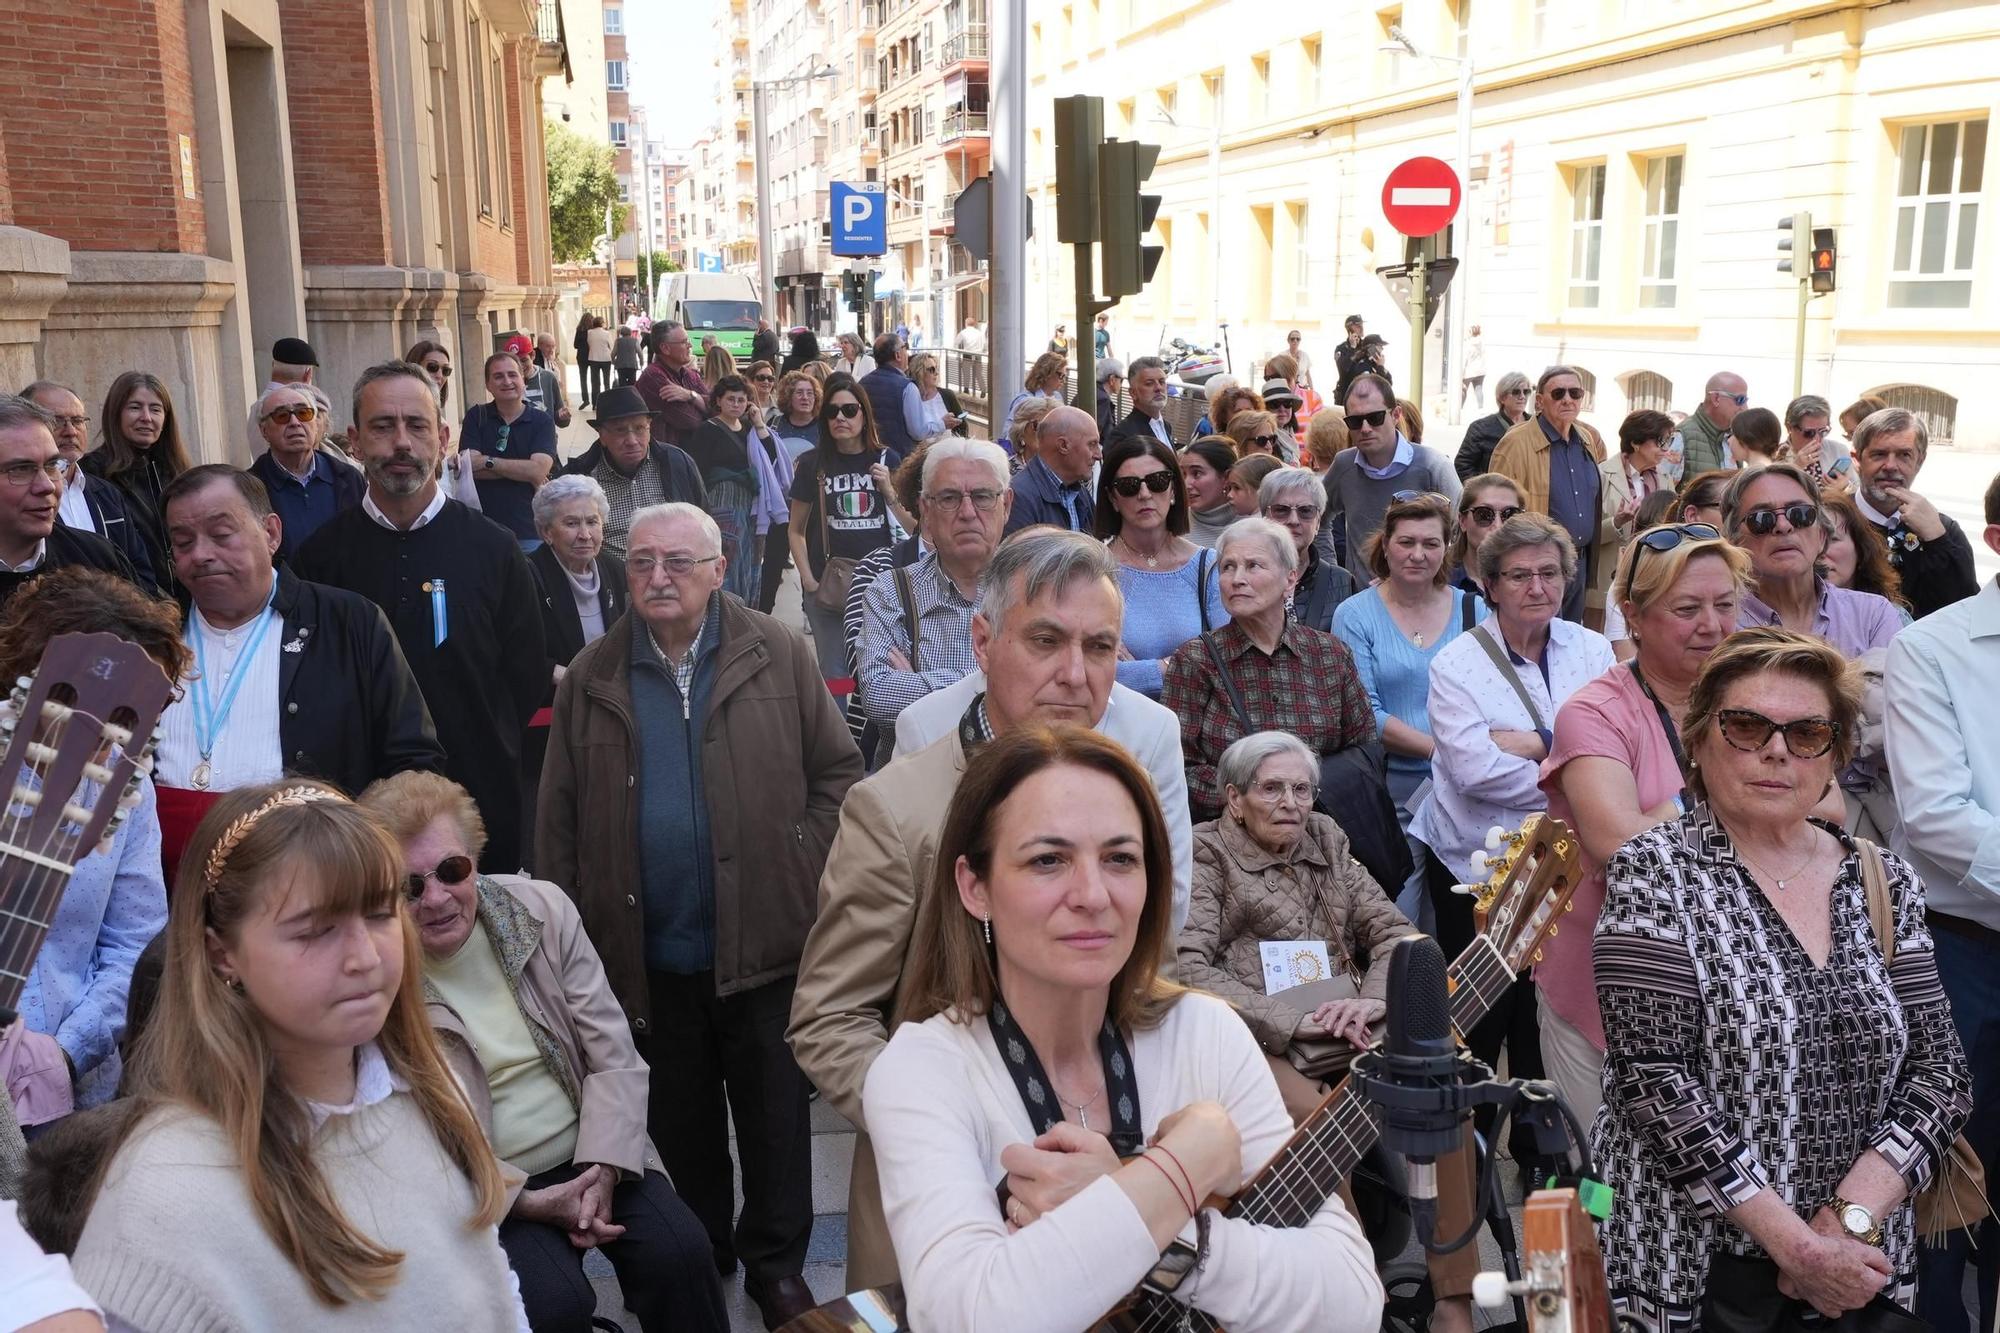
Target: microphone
[[1413, 1079]]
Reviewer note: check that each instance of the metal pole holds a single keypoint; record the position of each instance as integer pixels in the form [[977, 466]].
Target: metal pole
[[1215, 232], [1419, 269], [1007, 272], [1457, 312], [1087, 306], [1799, 346], [767, 282]]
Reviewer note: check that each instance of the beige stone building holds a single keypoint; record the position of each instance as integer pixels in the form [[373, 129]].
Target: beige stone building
[[1630, 162]]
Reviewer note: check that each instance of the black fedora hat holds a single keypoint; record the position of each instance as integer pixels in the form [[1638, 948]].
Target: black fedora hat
[[623, 401]]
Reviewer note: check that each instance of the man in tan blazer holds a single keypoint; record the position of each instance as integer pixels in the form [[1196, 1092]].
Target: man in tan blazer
[[1046, 635]]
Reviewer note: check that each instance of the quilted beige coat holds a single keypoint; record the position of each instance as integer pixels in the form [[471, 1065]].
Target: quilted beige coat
[[1243, 895]]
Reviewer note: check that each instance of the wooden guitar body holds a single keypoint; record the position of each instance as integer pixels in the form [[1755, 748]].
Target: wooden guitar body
[[1561, 1266]]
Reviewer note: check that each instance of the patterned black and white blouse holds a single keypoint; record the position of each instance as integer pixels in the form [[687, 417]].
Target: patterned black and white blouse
[[1736, 1064]]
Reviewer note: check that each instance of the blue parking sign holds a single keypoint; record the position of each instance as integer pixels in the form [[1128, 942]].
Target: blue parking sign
[[860, 218]]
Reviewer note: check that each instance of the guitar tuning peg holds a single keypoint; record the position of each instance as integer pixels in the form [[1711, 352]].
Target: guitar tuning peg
[[1478, 862], [1469, 890], [1496, 837], [1553, 930]]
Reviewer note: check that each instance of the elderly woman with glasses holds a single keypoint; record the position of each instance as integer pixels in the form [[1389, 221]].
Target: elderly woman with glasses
[[1775, 514], [1616, 767], [1170, 585], [542, 1050], [1261, 671], [1510, 402], [1810, 439], [1775, 1088], [1295, 499]]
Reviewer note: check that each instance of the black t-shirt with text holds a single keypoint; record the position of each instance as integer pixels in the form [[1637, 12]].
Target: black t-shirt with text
[[857, 517]]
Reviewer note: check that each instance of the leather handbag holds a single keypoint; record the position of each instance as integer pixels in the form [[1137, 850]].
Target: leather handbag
[[1322, 1058], [1956, 1196], [1742, 1296]]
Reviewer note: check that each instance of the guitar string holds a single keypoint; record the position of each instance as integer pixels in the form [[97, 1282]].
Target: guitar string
[[22, 931]]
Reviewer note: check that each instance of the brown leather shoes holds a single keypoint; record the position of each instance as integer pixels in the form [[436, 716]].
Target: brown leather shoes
[[782, 1301]]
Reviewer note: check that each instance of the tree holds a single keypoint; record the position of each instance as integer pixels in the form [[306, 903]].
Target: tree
[[581, 184], [663, 264]]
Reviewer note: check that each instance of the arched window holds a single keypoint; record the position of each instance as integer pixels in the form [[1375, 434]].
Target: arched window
[[1938, 409], [1647, 391]]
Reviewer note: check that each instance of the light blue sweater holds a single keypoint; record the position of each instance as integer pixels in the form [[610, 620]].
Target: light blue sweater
[[1395, 672], [1162, 613]]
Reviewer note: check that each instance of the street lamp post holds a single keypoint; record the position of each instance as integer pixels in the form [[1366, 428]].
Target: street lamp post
[[767, 266], [1454, 314]]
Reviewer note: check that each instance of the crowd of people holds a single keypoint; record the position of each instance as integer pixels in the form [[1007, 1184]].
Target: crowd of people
[[509, 877]]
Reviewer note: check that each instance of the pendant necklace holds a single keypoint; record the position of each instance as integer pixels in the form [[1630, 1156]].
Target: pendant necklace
[[1812, 853], [1081, 1108], [1152, 561]]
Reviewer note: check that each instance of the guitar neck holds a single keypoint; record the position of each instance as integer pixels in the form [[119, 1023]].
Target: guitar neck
[[1324, 1150]]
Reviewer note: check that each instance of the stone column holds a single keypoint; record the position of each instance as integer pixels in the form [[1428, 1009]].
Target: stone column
[[34, 273]]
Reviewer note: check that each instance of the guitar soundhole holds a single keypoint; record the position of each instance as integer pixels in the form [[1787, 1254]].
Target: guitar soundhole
[[124, 717], [64, 693]]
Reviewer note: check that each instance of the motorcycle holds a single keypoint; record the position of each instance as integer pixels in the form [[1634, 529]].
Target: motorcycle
[[1190, 364]]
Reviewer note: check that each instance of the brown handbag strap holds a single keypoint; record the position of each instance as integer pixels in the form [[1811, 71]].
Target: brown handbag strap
[[1875, 884], [1484, 632]]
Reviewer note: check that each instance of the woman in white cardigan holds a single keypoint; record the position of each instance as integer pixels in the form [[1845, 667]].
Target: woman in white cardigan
[[1037, 1046]]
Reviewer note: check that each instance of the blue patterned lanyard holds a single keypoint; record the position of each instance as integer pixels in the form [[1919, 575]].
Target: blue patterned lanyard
[[209, 716]]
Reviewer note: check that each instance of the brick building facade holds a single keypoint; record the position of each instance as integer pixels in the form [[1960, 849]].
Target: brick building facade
[[183, 182]]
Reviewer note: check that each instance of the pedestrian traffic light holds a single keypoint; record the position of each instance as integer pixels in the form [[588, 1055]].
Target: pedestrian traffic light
[[1079, 128], [1125, 215], [857, 289], [1825, 257], [1794, 242]]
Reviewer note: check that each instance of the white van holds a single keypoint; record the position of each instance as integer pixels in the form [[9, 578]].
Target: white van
[[724, 305]]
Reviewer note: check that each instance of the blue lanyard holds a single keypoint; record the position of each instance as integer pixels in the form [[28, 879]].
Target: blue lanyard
[[209, 717]]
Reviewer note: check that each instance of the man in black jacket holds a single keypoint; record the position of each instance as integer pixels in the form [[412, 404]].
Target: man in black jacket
[[90, 504], [1147, 381], [32, 471], [1928, 548], [292, 677], [635, 471]]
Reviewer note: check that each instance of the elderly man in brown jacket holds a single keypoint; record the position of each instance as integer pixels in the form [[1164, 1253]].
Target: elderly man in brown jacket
[[1046, 635], [695, 772], [1553, 458]]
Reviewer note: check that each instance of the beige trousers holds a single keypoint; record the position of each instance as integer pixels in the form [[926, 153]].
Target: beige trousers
[[1574, 1065]]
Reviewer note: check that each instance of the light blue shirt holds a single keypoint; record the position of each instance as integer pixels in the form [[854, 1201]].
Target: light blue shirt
[[1163, 610], [1395, 672], [115, 904], [1942, 716], [1405, 454]]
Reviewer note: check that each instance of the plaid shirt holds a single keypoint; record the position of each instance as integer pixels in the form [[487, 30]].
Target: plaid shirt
[[625, 496], [1308, 687], [944, 623]]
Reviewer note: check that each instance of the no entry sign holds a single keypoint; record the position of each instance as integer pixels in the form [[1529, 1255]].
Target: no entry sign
[[1420, 198]]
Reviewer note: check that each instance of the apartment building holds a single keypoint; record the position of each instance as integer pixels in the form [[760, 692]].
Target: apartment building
[[1630, 162], [853, 142], [790, 51]]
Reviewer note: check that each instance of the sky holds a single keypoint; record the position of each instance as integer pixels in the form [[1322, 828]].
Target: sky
[[672, 49]]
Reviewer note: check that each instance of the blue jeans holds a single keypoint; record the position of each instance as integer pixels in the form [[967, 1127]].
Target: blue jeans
[[1970, 971], [1412, 900]]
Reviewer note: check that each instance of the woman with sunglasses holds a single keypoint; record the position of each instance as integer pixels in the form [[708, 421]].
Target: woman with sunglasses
[[1615, 766], [1487, 501], [773, 456], [1775, 514], [936, 411], [840, 511], [1256, 433], [528, 1023], [1809, 438], [1171, 591], [1510, 401], [1774, 1093]]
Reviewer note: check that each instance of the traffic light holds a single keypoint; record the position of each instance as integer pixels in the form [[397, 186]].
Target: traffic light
[[1125, 215], [858, 289], [1825, 257], [1079, 128], [1795, 235]]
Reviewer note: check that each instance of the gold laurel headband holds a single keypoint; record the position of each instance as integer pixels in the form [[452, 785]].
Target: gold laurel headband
[[218, 860]]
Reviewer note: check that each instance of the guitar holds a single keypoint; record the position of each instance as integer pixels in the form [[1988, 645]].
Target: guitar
[[1562, 1273], [70, 773], [1529, 885]]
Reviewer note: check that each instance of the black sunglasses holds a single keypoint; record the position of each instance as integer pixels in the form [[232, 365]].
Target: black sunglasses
[[451, 870], [1268, 441], [1763, 522], [1375, 418], [1564, 392], [1806, 738], [1667, 538], [1486, 515], [843, 410], [1159, 483]]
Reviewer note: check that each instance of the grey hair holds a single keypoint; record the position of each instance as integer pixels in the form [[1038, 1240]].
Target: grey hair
[[1806, 405], [1240, 762], [1286, 480], [23, 411], [257, 441], [389, 370], [1041, 560], [559, 491], [1108, 367], [1520, 533], [1889, 421], [1028, 416], [680, 509], [947, 448], [1254, 527], [1732, 499], [1509, 382], [1145, 363]]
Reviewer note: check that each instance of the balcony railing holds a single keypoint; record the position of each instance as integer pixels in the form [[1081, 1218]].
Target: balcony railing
[[969, 44], [870, 15], [959, 123], [548, 21]]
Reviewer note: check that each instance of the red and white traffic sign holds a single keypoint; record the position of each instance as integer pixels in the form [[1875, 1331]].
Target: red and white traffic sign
[[1420, 198]]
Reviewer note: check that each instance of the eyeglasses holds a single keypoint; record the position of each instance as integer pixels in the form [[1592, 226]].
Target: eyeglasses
[[1515, 393], [73, 423], [22, 474], [1737, 398], [451, 870], [1273, 790], [1816, 432], [296, 412], [442, 371], [1561, 392], [845, 411], [1762, 522], [1806, 737], [1286, 513], [984, 500], [1667, 538], [1268, 441], [1375, 418], [1521, 578], [1159, 483], [1404, 497], [1486, 515], [679, 566], [763, 379]]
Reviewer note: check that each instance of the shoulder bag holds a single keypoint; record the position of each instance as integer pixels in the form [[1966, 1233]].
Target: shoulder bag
[[1484, 633], [1201, 598], [1956, 1196], [837, 575]]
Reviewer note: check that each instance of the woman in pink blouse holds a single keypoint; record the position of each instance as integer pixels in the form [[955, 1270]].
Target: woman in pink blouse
[[1615, 768]]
